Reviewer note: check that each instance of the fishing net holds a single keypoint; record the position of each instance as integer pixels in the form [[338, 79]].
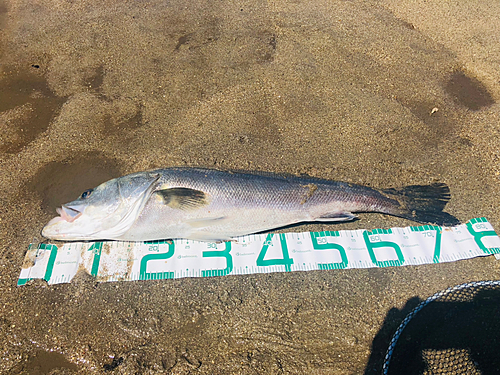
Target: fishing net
[[455, 331]]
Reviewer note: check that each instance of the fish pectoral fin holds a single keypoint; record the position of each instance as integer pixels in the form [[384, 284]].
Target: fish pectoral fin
[[338, 216], [205, 222], [183, 198]]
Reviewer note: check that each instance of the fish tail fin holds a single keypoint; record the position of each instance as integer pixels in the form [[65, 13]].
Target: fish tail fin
[[422, 203]]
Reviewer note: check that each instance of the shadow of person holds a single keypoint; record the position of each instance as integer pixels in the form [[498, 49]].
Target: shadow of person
[[382, 339], [458, 333]]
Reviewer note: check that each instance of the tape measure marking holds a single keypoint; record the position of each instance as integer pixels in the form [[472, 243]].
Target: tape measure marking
[[264, 253]]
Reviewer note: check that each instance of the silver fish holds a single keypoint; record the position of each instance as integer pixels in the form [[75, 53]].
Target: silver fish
[[212, 205]]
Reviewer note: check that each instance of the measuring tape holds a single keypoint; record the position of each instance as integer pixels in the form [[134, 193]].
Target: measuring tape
[[260, 253]]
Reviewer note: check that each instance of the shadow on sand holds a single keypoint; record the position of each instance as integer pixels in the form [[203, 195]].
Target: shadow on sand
[[456, 334]]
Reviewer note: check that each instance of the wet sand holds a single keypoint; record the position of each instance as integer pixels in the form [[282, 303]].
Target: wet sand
[[384, 94]]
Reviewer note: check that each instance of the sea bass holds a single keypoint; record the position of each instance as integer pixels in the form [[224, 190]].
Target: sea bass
[[212, 205]]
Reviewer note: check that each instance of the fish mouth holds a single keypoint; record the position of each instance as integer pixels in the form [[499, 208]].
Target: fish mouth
[[68, 214]]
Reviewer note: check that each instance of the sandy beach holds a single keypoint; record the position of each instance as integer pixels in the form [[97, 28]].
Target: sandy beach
[[384, 94]]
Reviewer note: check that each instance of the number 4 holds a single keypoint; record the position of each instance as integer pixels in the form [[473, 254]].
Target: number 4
[[286, 260]]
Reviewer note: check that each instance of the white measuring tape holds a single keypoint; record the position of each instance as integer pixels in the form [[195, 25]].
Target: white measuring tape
[[260, 253]]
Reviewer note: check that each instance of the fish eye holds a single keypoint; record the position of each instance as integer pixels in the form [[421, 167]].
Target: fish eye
[[86, 193]]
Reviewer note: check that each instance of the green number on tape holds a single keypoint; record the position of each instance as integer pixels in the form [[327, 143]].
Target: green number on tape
[[50, 263], [226, 253], [428, 231], [52, 259], [144, 275], [437, 247], [286, 260], [478, 236], [373, 245], [96, 249], [317, 237]]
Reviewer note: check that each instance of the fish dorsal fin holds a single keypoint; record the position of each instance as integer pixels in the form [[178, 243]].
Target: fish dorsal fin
[[183, 198]]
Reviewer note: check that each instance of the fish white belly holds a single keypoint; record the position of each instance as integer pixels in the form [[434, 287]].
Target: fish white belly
[[207, 224]]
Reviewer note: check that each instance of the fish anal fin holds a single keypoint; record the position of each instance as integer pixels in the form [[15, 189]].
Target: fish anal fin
[[209, 237], [183, 198], [337, 216]]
